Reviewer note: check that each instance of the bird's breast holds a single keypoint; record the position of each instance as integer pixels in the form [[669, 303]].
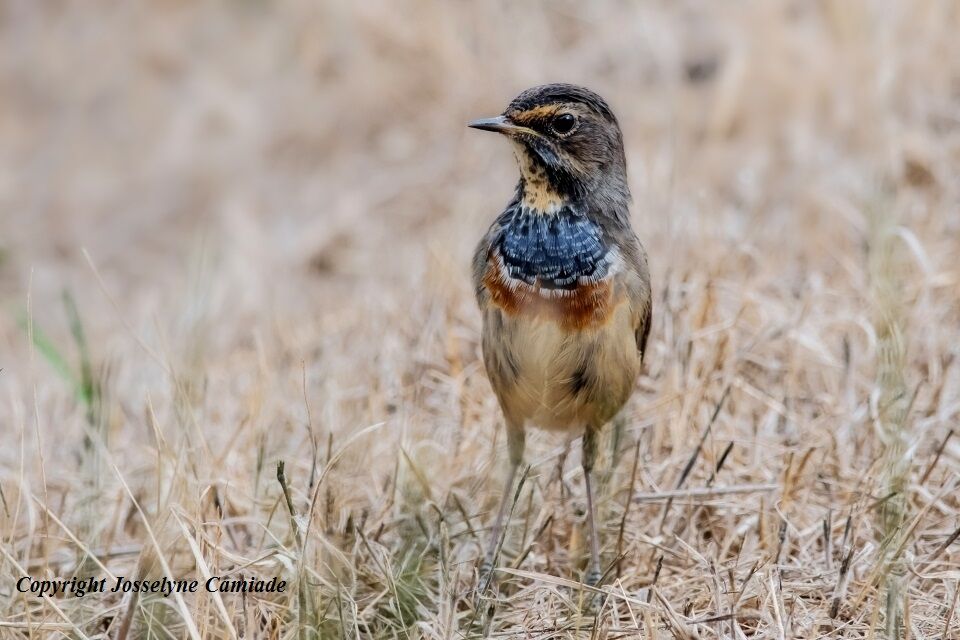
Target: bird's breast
[[555, 265]]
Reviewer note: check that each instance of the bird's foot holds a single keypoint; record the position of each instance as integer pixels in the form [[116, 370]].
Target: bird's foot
[[485, 580], [486, 574], [592, 578], [593, 597]]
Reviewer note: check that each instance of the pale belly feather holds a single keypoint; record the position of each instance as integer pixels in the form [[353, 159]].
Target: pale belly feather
[[560, 379]]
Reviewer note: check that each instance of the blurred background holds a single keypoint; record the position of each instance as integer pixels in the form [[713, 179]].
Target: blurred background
[[306, 142], [261, 216]]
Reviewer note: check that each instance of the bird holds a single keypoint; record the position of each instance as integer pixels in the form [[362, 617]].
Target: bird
[[563, 284]]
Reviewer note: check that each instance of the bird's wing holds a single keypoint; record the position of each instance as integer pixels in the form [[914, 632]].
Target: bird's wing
[[639, 288], [482, 253], [642, 330], [480, 256]]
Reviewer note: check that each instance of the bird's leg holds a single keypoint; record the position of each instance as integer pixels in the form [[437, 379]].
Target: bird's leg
[[494, 540], [589, 455], [560, 464], [515, 441]]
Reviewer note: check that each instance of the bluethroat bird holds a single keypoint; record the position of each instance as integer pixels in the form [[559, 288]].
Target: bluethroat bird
[[562, 282]]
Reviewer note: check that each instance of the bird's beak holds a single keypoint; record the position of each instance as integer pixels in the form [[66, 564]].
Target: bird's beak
[[500, 124]]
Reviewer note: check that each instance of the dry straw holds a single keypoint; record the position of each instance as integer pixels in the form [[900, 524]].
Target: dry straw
[[262, 215]]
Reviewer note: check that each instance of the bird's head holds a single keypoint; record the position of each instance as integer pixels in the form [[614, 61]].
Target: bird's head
[[568, 145]]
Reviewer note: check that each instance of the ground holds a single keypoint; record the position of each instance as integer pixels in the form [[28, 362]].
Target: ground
[[235, 235]]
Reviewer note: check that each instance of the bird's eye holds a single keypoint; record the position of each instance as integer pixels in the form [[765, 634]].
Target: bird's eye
[[563, 123]]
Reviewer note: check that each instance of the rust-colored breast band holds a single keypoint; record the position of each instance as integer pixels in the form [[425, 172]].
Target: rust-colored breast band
[[586, 306]]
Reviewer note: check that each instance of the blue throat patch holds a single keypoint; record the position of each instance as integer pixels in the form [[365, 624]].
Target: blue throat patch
[[553, 250]]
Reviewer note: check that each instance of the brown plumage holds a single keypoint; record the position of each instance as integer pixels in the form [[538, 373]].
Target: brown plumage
[[561, 279]]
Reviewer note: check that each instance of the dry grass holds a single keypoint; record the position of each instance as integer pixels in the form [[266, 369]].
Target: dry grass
[[278, 202]]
